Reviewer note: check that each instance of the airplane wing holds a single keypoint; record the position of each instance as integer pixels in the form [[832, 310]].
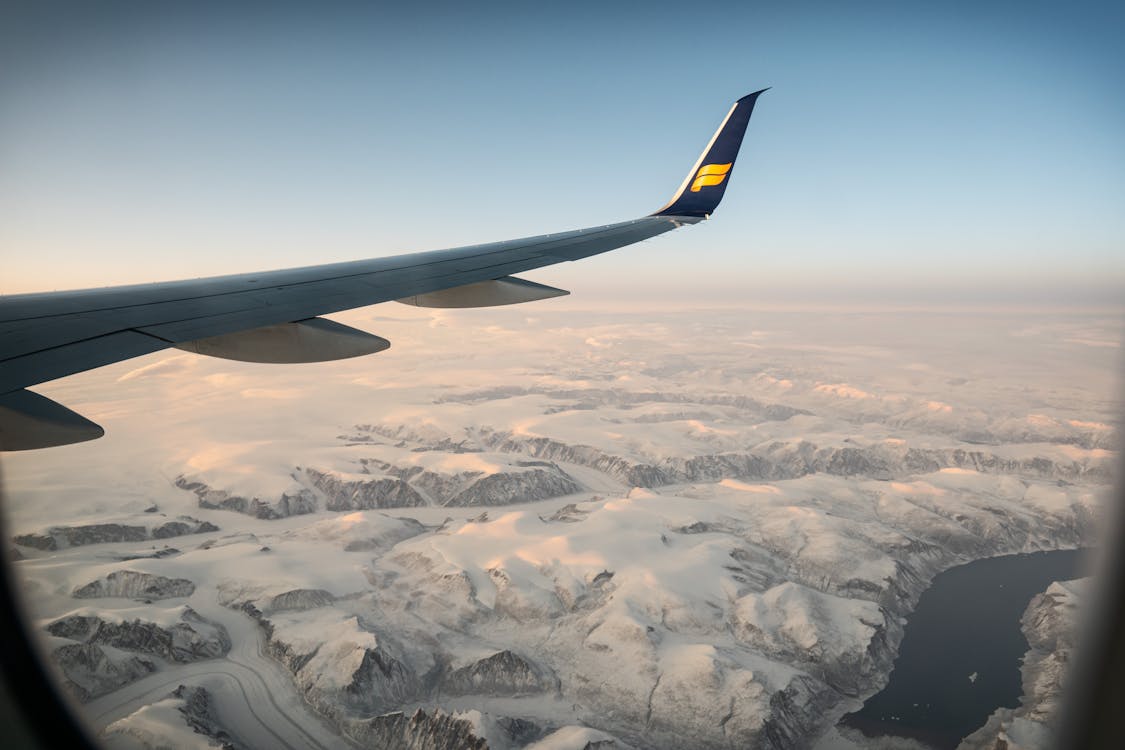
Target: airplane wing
[[274, 316]]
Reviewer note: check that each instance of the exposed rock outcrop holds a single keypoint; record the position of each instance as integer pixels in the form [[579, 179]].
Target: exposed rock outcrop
[[297, 502], [521, 481], [777, 460], [503, 673], [199, 715], [136, 585], [61, 537], [184, 525], [90, 670], [190, 639], [364, 494], [299, 600], [506, 488], [567, 514], [420, 731]]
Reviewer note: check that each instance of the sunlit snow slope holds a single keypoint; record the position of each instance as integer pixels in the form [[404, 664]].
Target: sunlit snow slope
[[526, 526]]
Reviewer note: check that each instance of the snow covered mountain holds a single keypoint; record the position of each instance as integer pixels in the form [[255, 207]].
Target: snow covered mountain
[[658, 531]]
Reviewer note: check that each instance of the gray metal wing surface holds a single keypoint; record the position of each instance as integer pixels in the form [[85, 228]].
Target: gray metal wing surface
[[273, 316]]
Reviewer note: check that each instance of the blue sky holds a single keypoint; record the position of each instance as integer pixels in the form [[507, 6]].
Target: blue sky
[[959, 149]]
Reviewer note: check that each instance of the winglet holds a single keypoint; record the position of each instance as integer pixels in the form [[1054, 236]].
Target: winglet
[[707, 181]]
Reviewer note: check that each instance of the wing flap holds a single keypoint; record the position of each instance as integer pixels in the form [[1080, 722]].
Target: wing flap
[[507, 290], [313, 340]]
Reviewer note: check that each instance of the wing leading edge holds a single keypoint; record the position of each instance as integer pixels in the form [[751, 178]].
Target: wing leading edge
[[274, 316]]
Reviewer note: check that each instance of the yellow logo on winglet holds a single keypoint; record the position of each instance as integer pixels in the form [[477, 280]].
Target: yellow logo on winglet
[[710, 174]]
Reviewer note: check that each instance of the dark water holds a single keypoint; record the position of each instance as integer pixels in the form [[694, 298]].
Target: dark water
[[967, 622]]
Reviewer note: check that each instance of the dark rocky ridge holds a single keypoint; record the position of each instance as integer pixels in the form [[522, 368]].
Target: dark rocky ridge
[[61, 537], [191, 639], [397, 488], [420, 731], [541, 481], [137, 585], [199, 715], [365, 494], [503, 673], [516, 487], [299, 600], [303, 501], [89, 671], [779, 460]]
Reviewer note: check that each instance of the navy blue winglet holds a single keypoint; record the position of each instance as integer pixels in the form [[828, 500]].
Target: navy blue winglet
[[707, 181]]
